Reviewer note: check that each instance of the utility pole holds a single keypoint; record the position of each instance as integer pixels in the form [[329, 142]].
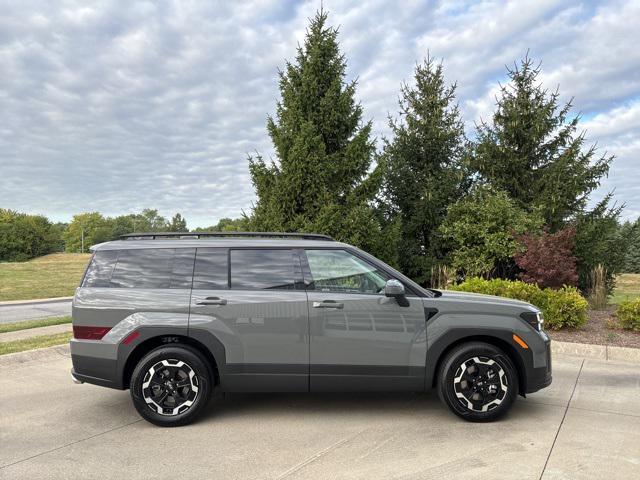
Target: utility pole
[[82, 240]]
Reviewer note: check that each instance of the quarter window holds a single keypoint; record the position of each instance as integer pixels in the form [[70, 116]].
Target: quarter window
[[340, 271], [99, 271], [141, 268], [264, 269]]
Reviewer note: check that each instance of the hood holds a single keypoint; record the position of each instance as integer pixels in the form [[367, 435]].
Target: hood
[[478, 298]]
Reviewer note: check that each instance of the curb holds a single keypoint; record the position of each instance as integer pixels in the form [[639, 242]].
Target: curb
[[599, 352], [35, 301], [33, 355]]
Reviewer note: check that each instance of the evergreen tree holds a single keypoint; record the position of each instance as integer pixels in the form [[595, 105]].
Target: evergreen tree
[[532, 151], [424, 170], [632, 257], [320, 181], [177, 224], [599, 241]]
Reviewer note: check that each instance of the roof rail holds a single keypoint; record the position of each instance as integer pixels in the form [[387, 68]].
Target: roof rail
[[156, 235]]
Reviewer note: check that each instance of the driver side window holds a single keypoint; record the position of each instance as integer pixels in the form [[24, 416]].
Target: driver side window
[[340, 271]]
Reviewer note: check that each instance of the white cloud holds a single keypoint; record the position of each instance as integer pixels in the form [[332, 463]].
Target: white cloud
[[119, 106]]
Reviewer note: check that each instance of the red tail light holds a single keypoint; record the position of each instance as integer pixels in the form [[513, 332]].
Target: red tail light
[[89, 333]]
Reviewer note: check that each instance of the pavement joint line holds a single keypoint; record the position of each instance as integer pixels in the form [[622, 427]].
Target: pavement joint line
[[317, 455], [607, 412], [69, 444], [575, 385]]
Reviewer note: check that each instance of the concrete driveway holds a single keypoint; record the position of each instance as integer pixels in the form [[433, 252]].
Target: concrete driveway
[[586, 425], [16, 312]]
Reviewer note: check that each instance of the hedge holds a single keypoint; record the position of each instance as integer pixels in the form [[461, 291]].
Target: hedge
[[563, 308], [628, 314]]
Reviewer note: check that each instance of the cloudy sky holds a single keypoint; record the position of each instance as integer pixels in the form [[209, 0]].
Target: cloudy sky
[[118, 106]]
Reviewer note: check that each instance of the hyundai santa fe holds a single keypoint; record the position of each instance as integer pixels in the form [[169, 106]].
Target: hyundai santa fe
[[173, 317]]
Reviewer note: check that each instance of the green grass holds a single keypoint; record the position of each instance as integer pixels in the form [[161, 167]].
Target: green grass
[[55, 275], [45, 322], [627, 288], [34, 342]]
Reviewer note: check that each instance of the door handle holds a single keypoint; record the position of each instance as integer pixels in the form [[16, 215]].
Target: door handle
[[213, 301], [328, 304]]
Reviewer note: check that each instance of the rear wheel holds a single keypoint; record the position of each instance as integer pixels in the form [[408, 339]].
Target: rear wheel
[[478, 382], [171, 385]]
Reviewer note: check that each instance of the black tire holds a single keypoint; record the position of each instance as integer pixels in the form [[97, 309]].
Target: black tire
[[164, 375], [478, 382]]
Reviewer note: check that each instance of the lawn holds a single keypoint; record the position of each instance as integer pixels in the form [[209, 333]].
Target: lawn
[[26, 325], [55, 275], [41, 341], [627, 287]]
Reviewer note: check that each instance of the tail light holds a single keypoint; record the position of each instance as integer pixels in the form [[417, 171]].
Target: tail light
[[89, 333]]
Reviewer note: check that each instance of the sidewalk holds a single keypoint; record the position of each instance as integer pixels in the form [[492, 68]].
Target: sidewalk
[[34, 301], [34, 332]]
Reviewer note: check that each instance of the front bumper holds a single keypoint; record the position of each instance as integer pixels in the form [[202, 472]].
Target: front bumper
[[541, 377]]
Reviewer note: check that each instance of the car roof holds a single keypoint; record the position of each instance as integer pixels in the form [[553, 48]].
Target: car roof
[[225, 242]]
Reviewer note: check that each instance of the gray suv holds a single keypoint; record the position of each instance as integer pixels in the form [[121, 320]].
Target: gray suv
[[173, 317]]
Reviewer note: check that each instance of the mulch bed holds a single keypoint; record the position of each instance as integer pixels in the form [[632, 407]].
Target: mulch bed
[[601, 329]]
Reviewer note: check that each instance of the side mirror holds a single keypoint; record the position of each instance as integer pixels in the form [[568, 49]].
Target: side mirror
[[394, 288]]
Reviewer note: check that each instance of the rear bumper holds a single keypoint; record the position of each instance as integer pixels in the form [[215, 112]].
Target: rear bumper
[[95, 363]]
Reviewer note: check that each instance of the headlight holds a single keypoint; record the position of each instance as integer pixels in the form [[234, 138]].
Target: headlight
[[534, 319]]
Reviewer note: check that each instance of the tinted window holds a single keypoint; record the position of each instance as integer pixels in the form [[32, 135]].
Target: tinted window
[[99, 271], [263, 269], [153, 268], [182, 269], [211, 271], [340, 271]]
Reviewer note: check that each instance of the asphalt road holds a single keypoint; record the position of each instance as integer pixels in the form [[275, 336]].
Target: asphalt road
[[586, 425], [31, 311]]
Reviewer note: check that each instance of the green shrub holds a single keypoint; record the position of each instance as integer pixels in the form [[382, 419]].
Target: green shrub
[[563, 308], [628, 314]]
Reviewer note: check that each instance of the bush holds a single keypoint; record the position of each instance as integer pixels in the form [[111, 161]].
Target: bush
[[563, 308], [546, 259], [25, 236], [480, 232], [628, 314]]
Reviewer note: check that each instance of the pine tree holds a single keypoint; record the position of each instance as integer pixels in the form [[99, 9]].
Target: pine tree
[[177, 224], [320, 181], [424, 169], [532, 151], [632, 257]]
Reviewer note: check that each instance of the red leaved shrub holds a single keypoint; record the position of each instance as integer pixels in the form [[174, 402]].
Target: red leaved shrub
[[547, 259]]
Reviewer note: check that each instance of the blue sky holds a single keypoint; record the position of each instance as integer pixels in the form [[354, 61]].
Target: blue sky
[[117, 106]]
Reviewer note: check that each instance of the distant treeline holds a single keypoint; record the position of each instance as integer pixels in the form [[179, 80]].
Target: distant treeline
[[24, 236]]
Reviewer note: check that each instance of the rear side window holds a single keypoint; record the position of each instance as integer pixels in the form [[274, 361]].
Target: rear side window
[[211, 270], [99, 271], [142, 268], [264, 269]]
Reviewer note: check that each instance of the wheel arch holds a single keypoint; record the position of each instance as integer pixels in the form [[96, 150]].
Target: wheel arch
[[154, 342], [492, 339]]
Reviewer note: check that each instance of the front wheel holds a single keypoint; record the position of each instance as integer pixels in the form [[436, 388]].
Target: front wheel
[[171, 385], [478, 382]]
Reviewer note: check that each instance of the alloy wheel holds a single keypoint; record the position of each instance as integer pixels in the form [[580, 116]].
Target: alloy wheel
[[170, 387], [480, 384]]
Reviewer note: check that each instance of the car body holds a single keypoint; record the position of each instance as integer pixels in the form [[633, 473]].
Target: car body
[[290, 313]]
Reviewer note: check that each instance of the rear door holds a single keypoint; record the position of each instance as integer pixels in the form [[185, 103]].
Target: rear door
[[361, 339], [253, 300]]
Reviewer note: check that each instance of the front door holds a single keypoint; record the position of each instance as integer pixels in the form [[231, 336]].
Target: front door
[[361, 339], [253, 301]]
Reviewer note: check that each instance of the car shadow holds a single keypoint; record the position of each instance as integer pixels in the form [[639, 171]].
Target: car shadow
[[377, 403]]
